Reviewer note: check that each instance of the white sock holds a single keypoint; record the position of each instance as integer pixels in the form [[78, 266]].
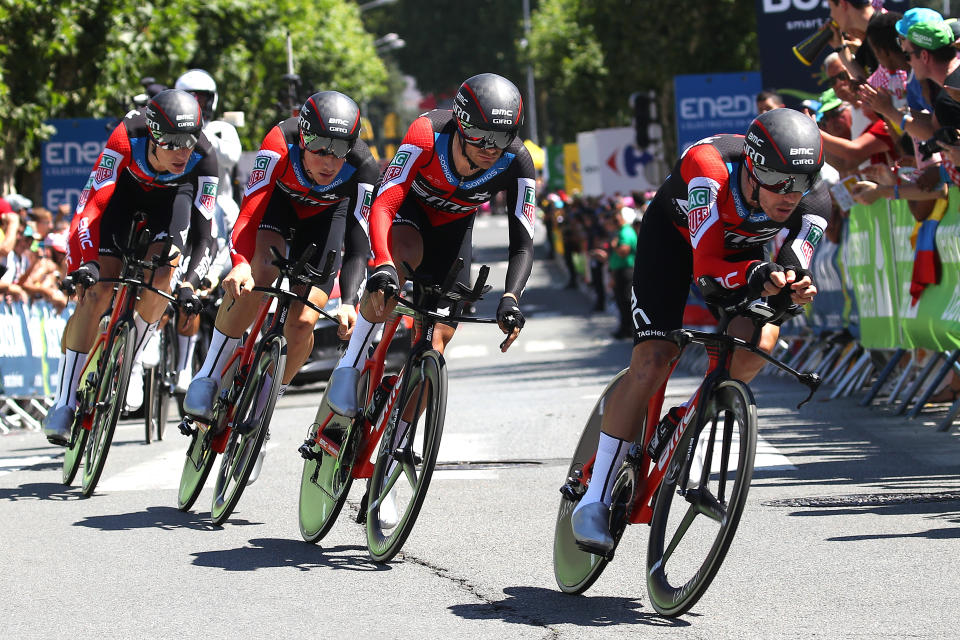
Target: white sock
[[70, 378], [185, 348], [144, 332], [610, 454], [360, 339], [222, 347]]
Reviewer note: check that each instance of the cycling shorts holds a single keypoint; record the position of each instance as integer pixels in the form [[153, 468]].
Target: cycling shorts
[[158, 206], [325, 230]]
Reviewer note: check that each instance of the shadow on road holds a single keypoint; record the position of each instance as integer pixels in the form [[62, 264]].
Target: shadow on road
[[539, 607], [267, 553], [39, 491], [167, 518]]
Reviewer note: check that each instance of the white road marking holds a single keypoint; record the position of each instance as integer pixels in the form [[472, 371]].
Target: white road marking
[[13, 464], [466, 351], [539, 346]]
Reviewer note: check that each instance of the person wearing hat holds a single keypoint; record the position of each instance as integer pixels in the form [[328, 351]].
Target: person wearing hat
[[850, 19]]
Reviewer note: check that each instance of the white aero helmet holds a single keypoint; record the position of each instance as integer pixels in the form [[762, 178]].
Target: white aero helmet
[[198, 81]]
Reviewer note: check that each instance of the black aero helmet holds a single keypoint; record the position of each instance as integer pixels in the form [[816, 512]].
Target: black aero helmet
[[488, 110], [329, 123], [784, 151], [174, 119]]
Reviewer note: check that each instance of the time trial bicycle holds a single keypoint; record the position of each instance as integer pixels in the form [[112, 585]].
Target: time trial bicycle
[[690, 483]]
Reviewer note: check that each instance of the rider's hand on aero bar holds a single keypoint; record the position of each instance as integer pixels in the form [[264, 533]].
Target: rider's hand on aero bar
[[188, 301], [385, 279]]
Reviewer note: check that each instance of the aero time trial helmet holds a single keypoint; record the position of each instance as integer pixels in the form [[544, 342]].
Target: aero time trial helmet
[[329, 124], [202, 85], [783, 151], [174, 119], [488, 110]]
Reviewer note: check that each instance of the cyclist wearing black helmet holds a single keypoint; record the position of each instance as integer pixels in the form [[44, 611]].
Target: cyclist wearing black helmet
[[156, 161], [312, 182], [727, 197], [449, 163]]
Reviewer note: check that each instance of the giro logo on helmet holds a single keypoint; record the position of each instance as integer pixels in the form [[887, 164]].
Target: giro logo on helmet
[[756, 156]]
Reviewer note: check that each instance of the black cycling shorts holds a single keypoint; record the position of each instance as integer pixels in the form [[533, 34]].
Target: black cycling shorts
[[157, 204], [661, 277], [325, 229], [442, 245]]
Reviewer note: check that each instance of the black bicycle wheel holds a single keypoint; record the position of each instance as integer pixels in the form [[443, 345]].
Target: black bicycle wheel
[[196, 467], [196, 362], [574, 569], [325, 482], [86, 396], [113, 380], [405, 461], [159, 385], [686, 550], [249, 426]]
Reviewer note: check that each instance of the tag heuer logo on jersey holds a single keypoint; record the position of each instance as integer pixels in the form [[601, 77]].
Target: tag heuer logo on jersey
[[814, 235], [259, 170], [698, 198], [807, 249], [365, 207], [529, 204], [396, 166], [105, 168], [208, 196], [695, 219]]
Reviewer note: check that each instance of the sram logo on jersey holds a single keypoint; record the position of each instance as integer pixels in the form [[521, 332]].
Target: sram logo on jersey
[[395, 168], [439, 202]]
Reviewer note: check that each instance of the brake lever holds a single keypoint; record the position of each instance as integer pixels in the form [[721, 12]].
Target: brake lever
[[812, 382]]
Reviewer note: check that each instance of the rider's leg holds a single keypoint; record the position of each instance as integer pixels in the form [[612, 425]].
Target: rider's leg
[[299, 332], [745, 365]]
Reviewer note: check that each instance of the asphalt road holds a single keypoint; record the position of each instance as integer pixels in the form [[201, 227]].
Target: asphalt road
[[851, 529]]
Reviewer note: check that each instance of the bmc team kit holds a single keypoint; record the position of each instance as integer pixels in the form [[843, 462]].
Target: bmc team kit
[[701, 466], [248, 393], [106, 372], [404, 413]]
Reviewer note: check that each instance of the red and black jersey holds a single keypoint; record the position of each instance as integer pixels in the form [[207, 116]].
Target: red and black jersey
[[423, 170], [122, 163], [279, 166], [703, 200]]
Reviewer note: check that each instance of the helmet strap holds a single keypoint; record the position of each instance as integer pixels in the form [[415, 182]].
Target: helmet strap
[[463, 150], [755, 195]]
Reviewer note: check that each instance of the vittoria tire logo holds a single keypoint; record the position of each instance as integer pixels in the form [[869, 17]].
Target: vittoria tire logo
[[396, 166]]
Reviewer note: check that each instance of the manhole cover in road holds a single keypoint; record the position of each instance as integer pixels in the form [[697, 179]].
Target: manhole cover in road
[[864, 500]]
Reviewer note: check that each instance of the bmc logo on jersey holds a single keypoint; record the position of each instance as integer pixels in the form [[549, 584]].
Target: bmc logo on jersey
[[698, 197], [396, 166], [695, 219], [105, 168]]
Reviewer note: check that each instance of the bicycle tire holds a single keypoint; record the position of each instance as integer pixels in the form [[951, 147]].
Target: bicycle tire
[[111, 394], [576, 570], [158, 385], [73, 454], [325, 483], [424, 433], [196, 467], [244, 445], [731, 404]]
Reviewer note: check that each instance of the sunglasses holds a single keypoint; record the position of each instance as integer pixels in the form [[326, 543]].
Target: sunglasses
[[780, 182], [325, 145], [175, 141], [484, 139]]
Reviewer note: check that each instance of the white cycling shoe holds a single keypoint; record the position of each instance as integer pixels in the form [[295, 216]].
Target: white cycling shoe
[[135, 390], [388, 516]]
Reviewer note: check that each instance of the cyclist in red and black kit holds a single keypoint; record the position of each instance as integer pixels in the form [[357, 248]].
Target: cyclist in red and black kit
[[312, 182], [156, 161], [727, 197], [449, 163]]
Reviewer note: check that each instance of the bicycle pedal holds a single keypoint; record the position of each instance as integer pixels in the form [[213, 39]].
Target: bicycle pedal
[[572, 490], [307, 452], [606, 555], [185, 428]]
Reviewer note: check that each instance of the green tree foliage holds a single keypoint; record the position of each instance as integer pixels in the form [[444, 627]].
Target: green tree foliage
[[85, 58], [590, 55], [448, 41]]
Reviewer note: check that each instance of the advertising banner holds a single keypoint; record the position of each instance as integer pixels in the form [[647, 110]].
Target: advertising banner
[[869, 259], [611, 163], [69, 156], [571, 168], [714, 103], [30, 348], [553, 170]]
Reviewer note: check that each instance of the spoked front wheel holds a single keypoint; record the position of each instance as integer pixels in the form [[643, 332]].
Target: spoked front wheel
[[159, 384], [406, 457], [251, 420], [325, 482], [109, 401], [690, 534], [574, 569]]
